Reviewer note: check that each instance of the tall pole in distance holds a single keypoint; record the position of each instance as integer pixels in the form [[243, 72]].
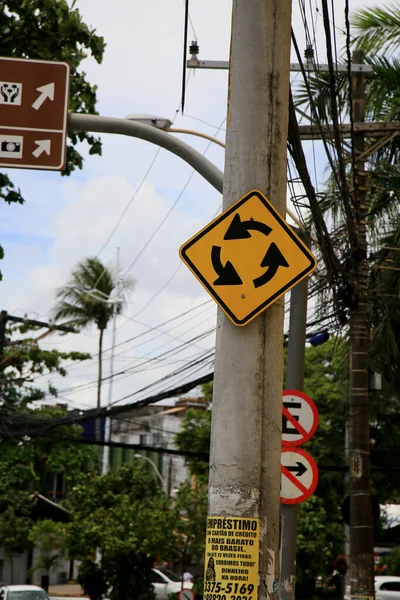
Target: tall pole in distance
[[294, 381], [107, 429], [3, 326], [247, 402], [361, 531]]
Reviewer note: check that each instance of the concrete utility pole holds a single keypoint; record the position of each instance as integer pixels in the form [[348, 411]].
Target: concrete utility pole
[[294, 381], [247, 402], [361, 531]]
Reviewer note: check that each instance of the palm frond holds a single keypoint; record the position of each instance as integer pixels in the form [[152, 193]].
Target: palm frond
[[73, 315], [383, 200], [382, 100], [317, 93], [377, 29]]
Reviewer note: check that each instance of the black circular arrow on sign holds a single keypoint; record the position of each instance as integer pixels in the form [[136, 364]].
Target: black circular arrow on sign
[[273, 259], [227, 274], [240, 230]]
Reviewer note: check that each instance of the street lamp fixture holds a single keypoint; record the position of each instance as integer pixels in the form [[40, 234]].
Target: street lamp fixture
[[165, 124], [155, 121]]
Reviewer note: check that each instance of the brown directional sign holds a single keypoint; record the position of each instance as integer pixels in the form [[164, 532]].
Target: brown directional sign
[[33, 113]]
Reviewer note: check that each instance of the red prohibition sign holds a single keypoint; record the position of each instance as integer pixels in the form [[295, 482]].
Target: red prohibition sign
[[299, 418], [299, 475]]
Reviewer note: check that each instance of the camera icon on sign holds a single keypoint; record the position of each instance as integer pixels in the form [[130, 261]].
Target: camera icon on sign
[[11, 146]]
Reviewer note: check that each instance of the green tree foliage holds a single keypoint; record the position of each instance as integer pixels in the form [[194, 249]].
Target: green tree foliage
[[392, 561], [23, 361], [320, 531], [191, 518], [130, 520], [319, 541], [16, 499], [326, 382], [52, 30], [194, 436], [27, 467], [92, 579], [207, 390]]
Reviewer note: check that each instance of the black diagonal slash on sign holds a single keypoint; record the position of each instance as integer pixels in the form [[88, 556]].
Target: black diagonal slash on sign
[[288, 417], [285, 471]]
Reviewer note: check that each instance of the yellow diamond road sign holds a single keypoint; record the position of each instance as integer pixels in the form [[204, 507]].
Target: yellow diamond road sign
[[247, 258]]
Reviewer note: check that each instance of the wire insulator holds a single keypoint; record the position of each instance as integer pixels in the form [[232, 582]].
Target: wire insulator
[[194, 48], [309, 52]]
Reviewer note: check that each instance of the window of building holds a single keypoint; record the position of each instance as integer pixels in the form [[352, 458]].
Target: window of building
[[157, 439]]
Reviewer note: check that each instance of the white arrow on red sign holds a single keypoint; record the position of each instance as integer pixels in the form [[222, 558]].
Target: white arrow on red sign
[[299, 475], [299, 418]]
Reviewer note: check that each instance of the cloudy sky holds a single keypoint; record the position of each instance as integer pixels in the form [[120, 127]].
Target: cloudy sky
[[67, 219]]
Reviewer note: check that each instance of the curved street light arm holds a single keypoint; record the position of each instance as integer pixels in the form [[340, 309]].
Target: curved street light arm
[[99, 124], [159, 137]]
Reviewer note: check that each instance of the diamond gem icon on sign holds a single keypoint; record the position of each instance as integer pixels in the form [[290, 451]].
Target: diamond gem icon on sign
[[247, 258], [33, 117]]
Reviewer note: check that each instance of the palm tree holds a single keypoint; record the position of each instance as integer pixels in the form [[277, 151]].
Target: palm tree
[[376, 31], [87, 299]]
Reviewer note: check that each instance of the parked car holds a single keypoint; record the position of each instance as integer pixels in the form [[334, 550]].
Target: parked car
[[166, 582], [23, 592], [387, 587]]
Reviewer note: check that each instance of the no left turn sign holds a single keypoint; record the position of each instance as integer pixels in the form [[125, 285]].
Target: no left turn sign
[[299, 475], [299, 418]]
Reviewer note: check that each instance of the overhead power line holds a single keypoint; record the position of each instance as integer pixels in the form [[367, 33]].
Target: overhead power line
[[33, 426]]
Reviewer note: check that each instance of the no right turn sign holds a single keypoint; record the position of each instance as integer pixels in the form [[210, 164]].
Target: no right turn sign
[[299, 475]]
